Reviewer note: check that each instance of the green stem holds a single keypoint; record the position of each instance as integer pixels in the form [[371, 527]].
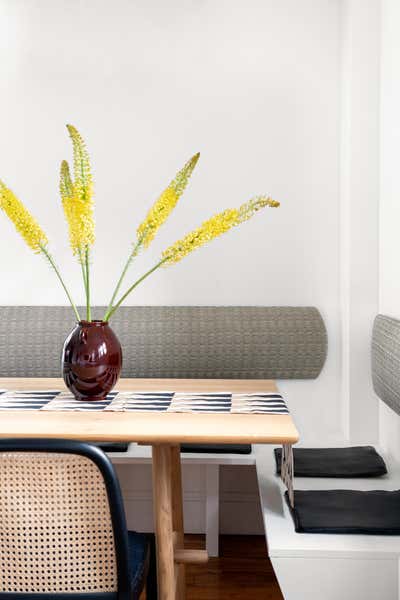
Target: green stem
[[88, 309], [109, 313], [84, 277], [120, 280], [53, 264], [82, 263]]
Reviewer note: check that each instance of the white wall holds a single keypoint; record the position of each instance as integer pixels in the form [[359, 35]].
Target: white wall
[[359, 194], [389, 218], [150, 83], [256, 87]]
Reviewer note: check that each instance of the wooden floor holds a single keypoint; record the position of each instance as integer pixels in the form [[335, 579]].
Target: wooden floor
[[241, 572]]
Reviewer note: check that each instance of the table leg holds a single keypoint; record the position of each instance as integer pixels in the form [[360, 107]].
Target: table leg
[[168, 520], [212, 509], [162, 497], [177, 517]]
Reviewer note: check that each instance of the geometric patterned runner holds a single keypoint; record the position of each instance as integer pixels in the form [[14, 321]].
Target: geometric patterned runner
[[220, 402]]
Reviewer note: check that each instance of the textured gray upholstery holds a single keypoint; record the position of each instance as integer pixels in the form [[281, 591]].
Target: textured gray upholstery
[[386, 360], [175, 341]]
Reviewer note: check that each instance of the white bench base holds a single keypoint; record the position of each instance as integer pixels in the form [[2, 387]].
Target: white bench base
[[337, 578]]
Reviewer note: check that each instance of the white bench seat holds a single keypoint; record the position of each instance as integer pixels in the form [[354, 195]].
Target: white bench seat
[[308, 566]]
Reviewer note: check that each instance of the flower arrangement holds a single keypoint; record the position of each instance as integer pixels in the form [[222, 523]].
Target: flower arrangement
[[76, 192]]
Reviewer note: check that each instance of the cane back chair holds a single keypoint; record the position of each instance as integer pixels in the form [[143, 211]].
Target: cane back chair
[[63, 533]]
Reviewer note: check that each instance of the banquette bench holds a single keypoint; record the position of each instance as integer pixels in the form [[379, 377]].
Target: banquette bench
[[236, 342], [332, 566]]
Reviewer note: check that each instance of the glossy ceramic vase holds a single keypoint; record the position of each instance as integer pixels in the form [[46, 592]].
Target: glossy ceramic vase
[[91, 360]]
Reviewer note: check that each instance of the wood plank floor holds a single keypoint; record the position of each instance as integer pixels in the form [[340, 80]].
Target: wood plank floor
[[241, 572]]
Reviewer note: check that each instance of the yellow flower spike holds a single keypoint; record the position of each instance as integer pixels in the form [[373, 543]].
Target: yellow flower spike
[[83, 181], [78, 208], [214, 227], [210, 229], [156, 216], [66, 185], [78, 213], [165, 204], [31, 232], [24, 222]]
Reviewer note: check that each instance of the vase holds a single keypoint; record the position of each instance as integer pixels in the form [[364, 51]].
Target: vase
[[91, 360]]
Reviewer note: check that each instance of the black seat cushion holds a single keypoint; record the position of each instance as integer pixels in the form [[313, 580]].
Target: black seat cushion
[[346, 511], [357, 461], [112, 446], [217, 448], [139, 560]]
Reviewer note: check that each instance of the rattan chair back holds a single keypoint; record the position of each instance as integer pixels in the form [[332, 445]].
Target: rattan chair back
[[58, 533]]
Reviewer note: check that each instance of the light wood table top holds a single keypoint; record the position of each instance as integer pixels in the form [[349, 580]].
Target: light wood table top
[[151, 427]]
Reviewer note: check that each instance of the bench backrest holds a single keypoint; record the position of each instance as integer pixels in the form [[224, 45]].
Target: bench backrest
[[175, 341], [386, 360]]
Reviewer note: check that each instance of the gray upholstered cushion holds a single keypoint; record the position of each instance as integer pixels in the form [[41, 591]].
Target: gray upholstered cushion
[[175, 341], [386, 360]]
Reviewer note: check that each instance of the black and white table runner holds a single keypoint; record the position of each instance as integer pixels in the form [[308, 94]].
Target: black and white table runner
[[193, 402]]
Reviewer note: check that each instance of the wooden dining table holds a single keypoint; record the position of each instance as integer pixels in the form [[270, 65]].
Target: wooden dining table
[[164, 431]]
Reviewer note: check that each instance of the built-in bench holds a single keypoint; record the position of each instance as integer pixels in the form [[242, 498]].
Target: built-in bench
[[235, 342], [332, 567], [316, 566]]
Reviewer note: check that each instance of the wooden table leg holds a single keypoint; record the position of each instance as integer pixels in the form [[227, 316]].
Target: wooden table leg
[[177, 517], [162, 497], [168, 519]]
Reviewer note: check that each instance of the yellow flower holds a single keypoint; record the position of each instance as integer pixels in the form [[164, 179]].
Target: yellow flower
[[66, 185], [165, 204], [214, 227], [83, 182], [78, 213], [24, 222], [77, 196]]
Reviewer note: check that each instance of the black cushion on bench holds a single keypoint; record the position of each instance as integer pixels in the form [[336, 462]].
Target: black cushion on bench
[[113, 446], [356, 461], [217, 448], [346, 511]]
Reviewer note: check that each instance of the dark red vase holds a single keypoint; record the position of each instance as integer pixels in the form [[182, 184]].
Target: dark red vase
[[91, 360]]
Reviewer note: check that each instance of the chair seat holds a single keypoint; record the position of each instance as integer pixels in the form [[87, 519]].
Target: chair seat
[[139, 560]]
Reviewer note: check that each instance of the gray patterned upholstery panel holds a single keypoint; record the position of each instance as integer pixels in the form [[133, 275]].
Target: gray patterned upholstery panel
[[175, 341], [386, 360]]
